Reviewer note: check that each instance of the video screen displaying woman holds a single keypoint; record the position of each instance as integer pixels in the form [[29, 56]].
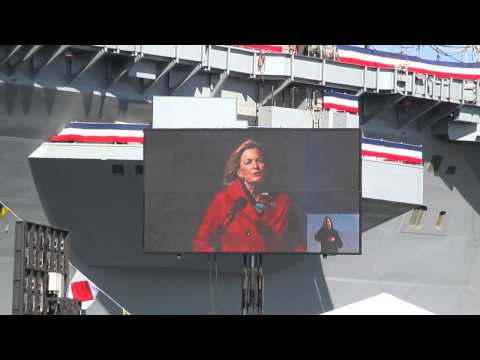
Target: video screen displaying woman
[[250, 190], [244, 216]]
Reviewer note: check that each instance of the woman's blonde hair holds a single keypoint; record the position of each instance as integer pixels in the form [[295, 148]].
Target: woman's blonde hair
[[233, 162]]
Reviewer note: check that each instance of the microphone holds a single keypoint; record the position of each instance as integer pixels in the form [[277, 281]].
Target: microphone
[[237, 206], [264, 200]]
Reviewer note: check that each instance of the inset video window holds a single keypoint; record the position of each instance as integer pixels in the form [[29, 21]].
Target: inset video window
[[252, 191]]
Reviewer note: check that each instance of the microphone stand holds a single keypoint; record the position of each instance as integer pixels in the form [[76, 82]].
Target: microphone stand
[[252, 284], [221, 231], [245, 286], [239, 205]]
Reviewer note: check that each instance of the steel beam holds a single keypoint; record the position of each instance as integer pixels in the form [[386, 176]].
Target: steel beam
[[164, 72], [191, 74], [219, 84], [98, 55], [442, 114], [57, 52], [274, 93], [12, 52], [31, 52], [359, 92], [125, 69], [12, 68], [426, 109], [395, 100]]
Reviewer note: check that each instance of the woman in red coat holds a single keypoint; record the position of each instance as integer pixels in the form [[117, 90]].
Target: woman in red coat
[[243, 217]]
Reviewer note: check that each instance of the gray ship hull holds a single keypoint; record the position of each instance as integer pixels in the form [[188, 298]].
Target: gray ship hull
[[437, 269]]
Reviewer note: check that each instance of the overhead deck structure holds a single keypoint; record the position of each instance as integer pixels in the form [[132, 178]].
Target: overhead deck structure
[[99, 69], [152, 62]]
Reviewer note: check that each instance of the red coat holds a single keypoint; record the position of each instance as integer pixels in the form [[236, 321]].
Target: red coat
[[276, 230]]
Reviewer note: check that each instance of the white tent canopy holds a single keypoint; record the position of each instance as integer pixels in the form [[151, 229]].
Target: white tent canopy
[[382, 304]]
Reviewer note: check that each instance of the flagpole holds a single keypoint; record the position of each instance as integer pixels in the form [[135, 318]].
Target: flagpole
[[104, 293], [109, 297], [10, 210]]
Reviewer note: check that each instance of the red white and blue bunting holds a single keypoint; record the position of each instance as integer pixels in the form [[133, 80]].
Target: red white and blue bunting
[[266, 48], [385, 60], [339, 101], [391, 151], [91, 132]]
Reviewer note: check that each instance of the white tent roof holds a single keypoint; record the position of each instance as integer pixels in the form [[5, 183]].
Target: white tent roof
[[382, 304]]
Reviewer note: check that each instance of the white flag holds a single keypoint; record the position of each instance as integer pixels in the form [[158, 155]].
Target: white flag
[[82, 289]]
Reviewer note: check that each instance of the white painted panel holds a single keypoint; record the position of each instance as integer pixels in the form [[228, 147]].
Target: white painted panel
[[159, 50], [280, 117], [277, 65], [195, 112], [89, 151], [392, 181], [190, 52]]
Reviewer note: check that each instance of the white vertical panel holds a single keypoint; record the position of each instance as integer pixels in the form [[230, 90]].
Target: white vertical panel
[[195, 112]]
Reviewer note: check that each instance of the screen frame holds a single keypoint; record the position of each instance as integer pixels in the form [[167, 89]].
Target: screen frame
[[260, 129]]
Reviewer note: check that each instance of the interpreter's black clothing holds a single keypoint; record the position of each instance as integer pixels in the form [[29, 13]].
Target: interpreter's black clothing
[[325, 238]]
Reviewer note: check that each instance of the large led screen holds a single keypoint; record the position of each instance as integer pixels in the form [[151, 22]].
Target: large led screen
[[252, 191]]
